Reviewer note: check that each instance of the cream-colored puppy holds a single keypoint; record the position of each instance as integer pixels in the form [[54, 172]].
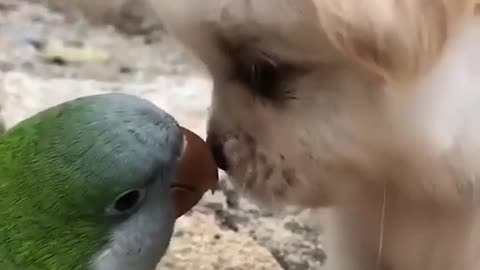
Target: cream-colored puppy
[[370, 108]]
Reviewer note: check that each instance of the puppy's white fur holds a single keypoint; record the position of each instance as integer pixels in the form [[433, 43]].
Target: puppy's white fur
[[383, 126]]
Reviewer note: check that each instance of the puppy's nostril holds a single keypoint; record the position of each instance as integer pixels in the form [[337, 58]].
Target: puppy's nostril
[[217, 150]]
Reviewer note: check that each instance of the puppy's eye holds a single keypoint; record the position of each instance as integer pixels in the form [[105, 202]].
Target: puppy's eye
[[263, 77]]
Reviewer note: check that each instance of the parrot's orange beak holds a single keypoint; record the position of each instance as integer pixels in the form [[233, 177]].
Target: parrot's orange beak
[[196, 174]]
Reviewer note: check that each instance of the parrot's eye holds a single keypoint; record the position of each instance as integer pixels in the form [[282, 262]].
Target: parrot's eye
[[127, 202]]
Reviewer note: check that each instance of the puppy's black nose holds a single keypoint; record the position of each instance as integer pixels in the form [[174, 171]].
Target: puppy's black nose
[[216, 146]]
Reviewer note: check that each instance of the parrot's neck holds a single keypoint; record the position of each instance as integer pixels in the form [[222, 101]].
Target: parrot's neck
[[43, 246]]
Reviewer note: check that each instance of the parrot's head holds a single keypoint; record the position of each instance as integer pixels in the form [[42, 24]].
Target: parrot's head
[[85, 185]]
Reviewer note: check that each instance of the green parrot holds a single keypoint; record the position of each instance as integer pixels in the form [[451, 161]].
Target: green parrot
[[85, 186]]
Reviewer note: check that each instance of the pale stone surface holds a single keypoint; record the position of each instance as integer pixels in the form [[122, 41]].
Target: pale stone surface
[[186, 98], [129, 16], [201, 245]]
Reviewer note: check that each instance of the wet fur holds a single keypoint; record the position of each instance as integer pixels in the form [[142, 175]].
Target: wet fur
[[378, 108]]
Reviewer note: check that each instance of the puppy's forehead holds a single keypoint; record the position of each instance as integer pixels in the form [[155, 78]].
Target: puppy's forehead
[[248, 16], [280, 27], [276, 28]]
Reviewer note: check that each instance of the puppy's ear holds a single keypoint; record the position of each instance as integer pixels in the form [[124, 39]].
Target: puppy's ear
[[394, 39]]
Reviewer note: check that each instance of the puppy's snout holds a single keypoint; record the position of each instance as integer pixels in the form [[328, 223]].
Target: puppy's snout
[[216, 146]]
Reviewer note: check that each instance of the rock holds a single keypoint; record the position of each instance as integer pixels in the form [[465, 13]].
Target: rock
[[134, 17], [200, 244], [186, 98], [291, 235], [26, 28]]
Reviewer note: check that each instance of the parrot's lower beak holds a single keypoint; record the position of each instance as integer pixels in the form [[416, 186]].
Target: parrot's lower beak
[[196, 174]]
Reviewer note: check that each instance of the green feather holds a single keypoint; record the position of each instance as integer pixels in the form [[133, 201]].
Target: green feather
[[42, 190]]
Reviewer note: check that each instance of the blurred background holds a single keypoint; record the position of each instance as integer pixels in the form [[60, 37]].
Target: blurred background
[[52, 51]]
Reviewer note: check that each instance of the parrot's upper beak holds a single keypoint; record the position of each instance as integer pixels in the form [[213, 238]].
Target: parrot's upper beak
[[196, 174]]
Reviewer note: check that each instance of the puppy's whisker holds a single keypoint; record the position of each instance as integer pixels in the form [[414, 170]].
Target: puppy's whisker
[[382, 225]]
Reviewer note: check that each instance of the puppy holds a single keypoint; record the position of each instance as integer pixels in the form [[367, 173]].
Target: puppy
[[369, 108]]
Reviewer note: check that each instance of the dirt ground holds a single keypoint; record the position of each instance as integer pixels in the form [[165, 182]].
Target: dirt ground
[[136, 51]]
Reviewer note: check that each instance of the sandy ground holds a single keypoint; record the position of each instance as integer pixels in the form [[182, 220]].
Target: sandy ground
[[140, 58]]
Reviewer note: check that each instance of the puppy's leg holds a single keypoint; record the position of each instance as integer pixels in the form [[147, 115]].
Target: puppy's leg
[[350, 237], [429, 237], [409, 237]]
